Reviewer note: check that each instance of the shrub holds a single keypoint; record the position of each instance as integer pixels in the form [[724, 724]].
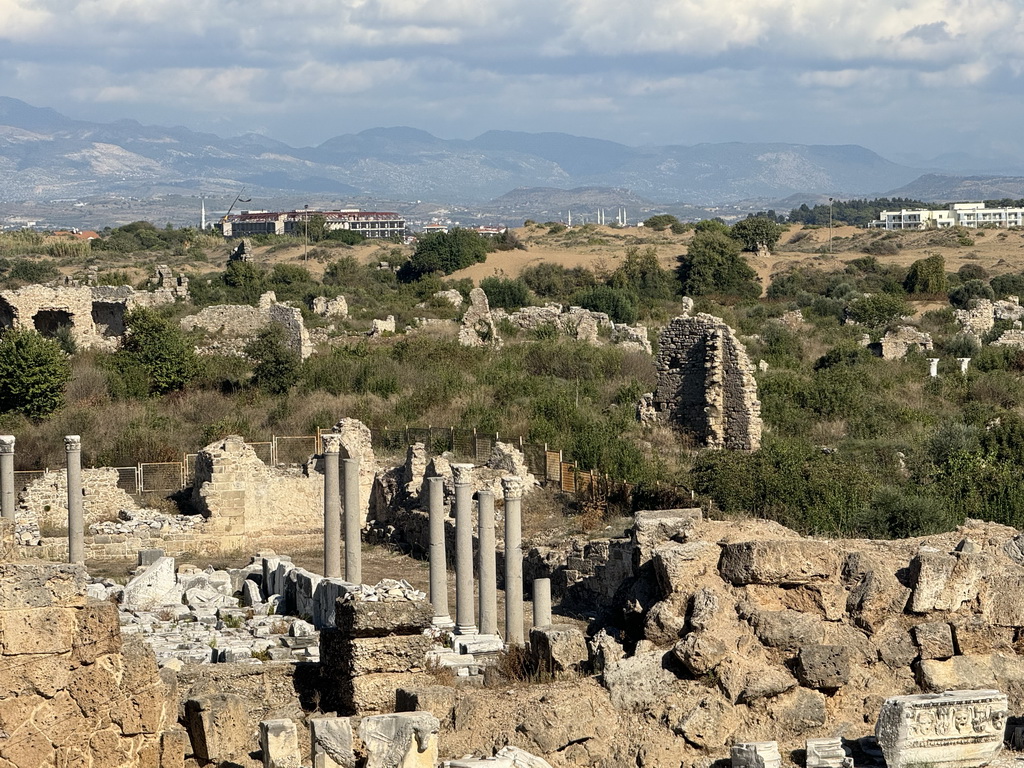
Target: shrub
[[878, 309], [1007, 285], [275, 365], [619, 305], [34, 374], [444, 252], [927, 276], [757, 233], [155, 357], [713, 265], [505, 293], [964, 294]]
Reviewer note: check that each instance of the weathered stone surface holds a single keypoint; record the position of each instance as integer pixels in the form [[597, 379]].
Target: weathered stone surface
[[155, 586], [786, 630], [827, 753], [756, 754], [802, 711], [638, 682], [521, 758], [823, 666], [279, 741], [706, 383], [400, 740], [955, 729], [331, 742], [356, 618], [896, 343], [218, 727], [478, 328], [559, 648], [934, 640], [782, 562], [31, 585]]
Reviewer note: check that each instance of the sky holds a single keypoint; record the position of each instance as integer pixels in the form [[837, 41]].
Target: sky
[[906, 78]]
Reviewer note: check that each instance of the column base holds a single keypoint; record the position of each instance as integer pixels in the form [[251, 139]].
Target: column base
[[466, 629], [442, 622], [478, 644]]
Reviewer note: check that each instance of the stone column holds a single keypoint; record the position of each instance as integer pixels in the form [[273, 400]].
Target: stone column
[[7, 477], [332, 505], [933, 367], [465, 623], [541, 602], [514, 632], [76, 512], [353, 524], [487, 568], [964, 362], [438, 555]]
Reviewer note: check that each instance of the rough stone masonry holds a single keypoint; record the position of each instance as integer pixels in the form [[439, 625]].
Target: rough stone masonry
[[706, 384]]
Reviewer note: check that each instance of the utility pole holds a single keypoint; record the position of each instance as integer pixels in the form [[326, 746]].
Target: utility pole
[[830, 225], [305, 237]]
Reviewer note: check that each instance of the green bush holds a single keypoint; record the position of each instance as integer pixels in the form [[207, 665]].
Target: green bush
[[713, 265], [964, 294], [155, 357], [878, 309], [619, 305], [505, 293], [34, 374], [275, 365], [927, 276], [444, 252]]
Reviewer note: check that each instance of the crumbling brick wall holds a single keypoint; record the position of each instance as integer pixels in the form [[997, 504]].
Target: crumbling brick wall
[[45, 499], [706, 384]]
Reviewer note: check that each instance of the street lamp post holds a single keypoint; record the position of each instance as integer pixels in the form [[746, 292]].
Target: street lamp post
[[830, 225], [305, 237]]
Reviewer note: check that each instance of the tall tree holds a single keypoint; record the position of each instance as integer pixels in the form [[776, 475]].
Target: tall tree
[[34, 374]]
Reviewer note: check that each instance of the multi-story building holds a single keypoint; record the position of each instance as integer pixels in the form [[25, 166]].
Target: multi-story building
[[958, 214], [371, 224]]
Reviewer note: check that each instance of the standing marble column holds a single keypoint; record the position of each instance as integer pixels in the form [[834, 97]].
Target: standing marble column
[[964, 362], [933, 367], [513, 488], [7, 477], [465, 623], [438, 554], [487, 568], [353, 523], [541, 602], [76, 512], [332, 505]]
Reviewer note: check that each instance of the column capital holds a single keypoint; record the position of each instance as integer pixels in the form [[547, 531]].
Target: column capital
[[512, 486], [462, 473], [72, 443], [332, 442], [6, 443]]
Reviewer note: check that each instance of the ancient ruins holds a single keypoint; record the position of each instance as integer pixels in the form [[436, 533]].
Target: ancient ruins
[[706, 384]]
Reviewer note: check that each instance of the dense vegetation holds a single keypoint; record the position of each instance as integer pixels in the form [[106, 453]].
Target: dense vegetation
[[853, 444]]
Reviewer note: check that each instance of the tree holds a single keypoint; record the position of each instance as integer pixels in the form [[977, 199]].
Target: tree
[[757, 233], [641, 273], [34, 374], [155, 357], [316, 227], [276, 366], [661, 222], [619, 305], [878, 309], [444, 252], [713, 264], [927, 276], [505, 293]]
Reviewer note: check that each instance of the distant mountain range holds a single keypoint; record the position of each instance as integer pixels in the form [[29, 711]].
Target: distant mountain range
[[47, 156]]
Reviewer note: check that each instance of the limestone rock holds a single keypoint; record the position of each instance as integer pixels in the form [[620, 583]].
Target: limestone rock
[[786, 630], [782, 562], [639, 682], [559, 648], [218, 727], [400, 740], [331, 742], [279, 741], [934, 640], [478, 328], [156, 586], [823, 666], [521, 758]]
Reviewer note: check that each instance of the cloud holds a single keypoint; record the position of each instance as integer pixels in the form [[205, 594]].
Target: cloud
[[650, 70]]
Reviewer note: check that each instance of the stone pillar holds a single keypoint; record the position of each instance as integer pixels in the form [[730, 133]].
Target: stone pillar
[[7, 477], [76, 511], [465, 623], [438, 555], [514, 632], [933, 367], [353, 524], [541, 602], [964, 362], [488, 567], [332, 505]]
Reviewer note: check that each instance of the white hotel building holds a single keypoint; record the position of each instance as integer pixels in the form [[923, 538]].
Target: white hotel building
[[972, 215]]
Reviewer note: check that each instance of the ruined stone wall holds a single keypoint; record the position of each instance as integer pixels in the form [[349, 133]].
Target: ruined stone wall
[[45, 499], [70, 692], [247, 502], [239, 322], [706, 384], [896, 343]]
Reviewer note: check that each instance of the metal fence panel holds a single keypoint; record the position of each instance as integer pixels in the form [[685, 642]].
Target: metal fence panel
[[128, 478], [294, 449], [25, 476], [189, 471], [165, 476], [536, 459], [265, 452], [483, 446], [464, 443], [440, 440]]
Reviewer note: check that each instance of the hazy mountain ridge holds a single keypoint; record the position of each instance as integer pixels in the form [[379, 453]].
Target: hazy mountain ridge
[[45, 155]]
